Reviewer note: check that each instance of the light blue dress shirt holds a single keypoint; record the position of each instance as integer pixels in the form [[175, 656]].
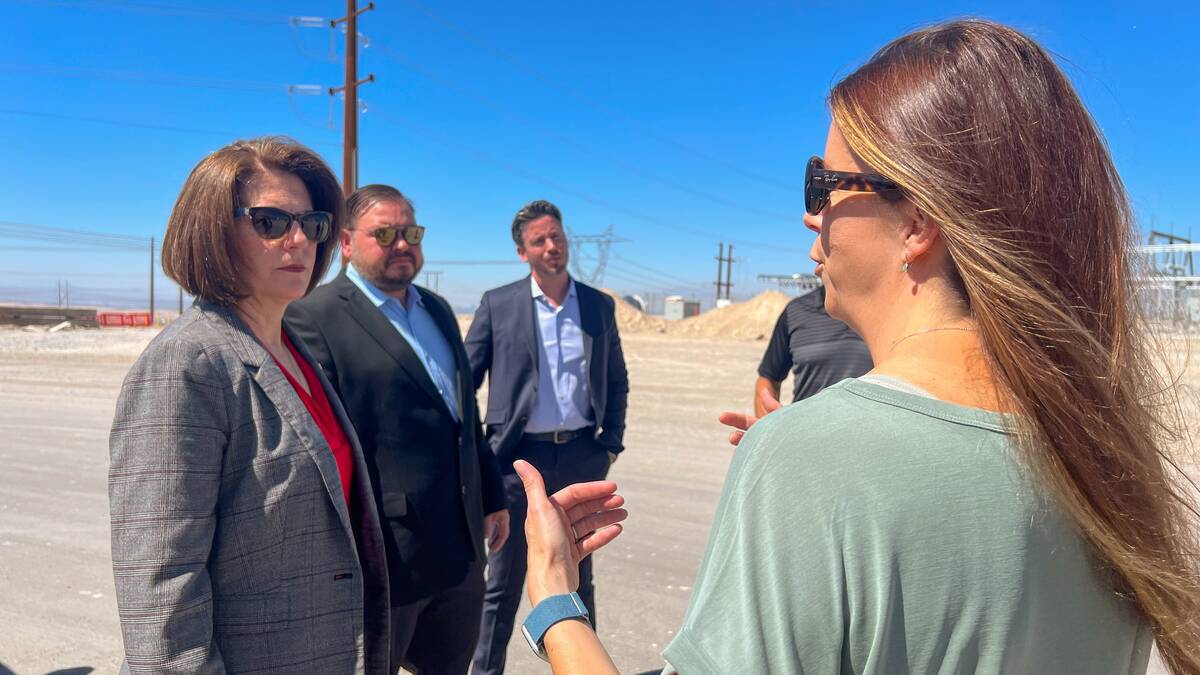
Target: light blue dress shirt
[[419, 330], [562, 395]]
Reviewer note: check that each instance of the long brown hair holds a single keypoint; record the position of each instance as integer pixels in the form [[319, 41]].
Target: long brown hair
[[985, 134], [198, 247]]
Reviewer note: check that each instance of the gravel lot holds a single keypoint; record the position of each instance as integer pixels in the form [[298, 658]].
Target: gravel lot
[[57, 393]]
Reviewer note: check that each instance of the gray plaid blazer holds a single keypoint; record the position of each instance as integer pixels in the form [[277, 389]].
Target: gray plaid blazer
[[232, 547]]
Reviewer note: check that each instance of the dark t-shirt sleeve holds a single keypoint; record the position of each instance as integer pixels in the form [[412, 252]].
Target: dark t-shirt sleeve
[[777, 361]]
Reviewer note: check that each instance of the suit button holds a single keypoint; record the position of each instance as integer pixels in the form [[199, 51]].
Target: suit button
[[464, 490]]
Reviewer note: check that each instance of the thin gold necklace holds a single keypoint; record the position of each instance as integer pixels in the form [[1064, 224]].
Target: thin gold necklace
[[930, 330]]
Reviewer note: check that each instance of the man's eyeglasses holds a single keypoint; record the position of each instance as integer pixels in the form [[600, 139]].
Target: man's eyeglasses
[[386, 236], [272, 223], [819, 182]]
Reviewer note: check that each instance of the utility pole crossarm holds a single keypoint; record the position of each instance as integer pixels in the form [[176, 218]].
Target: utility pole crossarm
[[350, 91]]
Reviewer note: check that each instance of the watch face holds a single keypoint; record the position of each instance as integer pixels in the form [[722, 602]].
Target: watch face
[[533, 644]]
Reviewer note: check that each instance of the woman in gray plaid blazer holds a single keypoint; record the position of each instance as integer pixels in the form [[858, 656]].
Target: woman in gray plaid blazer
[[244, 535]]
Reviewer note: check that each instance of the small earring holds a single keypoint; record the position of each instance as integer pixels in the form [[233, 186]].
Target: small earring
[[904, 267]]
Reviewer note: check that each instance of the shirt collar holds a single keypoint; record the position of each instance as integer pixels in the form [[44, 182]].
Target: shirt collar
[[377, 296], [536, 291]]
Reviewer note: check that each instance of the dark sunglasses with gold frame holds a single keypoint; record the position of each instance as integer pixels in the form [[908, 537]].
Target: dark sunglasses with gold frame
[[819, 182], [386, 236]]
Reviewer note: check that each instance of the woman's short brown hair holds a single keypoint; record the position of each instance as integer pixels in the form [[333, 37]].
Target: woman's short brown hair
[[198, 248]]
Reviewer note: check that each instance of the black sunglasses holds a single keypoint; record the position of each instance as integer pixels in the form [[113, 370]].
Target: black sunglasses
[[386, 236], [818, 183], [272, 223]]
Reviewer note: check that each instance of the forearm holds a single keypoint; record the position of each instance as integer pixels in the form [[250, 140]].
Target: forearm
[[574, 649], [771, 387]]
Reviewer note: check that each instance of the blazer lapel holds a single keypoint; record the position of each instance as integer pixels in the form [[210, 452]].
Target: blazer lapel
[[592, 325], [448, 325], [376, 324], [526, 316], [291, 409]]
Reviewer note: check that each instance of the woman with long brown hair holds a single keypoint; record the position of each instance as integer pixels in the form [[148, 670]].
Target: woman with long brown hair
[[997, 495]]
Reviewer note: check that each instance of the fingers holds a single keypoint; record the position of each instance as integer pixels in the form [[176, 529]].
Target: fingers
[[594, 506], [737, 420], [598, 521], [500, 536], [499, 527], [535, 488], [770, 403], [735, 437], [574, 495], [597, 540]]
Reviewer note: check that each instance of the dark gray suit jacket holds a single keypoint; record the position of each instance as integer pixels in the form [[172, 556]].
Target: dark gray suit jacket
[[233, 548], [503, 341]]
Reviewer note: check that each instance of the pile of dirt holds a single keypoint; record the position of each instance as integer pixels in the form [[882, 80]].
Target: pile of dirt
[[630, 319], [753, 319]]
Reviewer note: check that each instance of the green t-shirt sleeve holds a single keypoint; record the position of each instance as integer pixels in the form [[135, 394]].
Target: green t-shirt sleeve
[[746, 614]]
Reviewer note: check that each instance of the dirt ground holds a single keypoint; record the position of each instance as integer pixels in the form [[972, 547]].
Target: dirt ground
[[57, 394]]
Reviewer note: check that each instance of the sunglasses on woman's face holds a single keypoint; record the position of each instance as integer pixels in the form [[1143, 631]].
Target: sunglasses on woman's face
[[819, 182], [272, 223], [386, 236]]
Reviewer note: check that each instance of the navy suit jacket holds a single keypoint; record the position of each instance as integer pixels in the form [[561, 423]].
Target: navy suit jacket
[[503, 342]]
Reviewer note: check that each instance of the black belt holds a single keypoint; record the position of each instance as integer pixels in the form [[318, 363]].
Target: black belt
[[560, 437]]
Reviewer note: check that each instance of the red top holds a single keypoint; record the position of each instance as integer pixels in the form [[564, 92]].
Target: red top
[[322, 413]]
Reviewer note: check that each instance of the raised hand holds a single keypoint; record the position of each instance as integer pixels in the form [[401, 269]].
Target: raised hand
[[743, 421], [564, 528]]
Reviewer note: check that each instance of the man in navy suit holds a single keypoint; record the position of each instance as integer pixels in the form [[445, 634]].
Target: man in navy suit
[[557, 390]]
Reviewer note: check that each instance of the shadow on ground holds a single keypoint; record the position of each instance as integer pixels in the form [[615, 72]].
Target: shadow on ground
[[82, 670]]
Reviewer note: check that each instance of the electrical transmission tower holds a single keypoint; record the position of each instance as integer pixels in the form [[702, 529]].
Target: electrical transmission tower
[[598, 258]]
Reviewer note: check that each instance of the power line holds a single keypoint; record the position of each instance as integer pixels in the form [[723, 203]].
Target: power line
[[141, 77], [587, 101], [644, 281], [13, 230], [620, 163], [656, 271], [122, 123], [474, 262], [97, 240], [514, 169], [157, 9], [73, 274], [649, 278]]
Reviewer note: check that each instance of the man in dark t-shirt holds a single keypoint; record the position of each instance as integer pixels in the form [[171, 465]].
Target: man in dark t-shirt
[[819, 349]]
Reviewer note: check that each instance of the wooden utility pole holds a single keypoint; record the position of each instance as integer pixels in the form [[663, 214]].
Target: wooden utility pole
[[720, 259], [729, 272], [151, 281], [350, 93], [727, 260]]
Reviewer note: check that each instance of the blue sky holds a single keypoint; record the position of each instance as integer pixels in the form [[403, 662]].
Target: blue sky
[[680, 124]]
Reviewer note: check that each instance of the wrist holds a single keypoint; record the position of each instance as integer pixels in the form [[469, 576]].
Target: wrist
[[550, 613], [543, 586]]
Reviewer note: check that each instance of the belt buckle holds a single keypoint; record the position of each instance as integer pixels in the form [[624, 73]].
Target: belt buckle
[[564, 439]]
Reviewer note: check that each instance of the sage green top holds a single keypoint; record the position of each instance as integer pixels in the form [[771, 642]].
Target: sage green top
[[871, 530]]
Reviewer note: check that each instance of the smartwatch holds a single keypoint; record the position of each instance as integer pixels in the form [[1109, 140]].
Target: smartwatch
[[548, 612]]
